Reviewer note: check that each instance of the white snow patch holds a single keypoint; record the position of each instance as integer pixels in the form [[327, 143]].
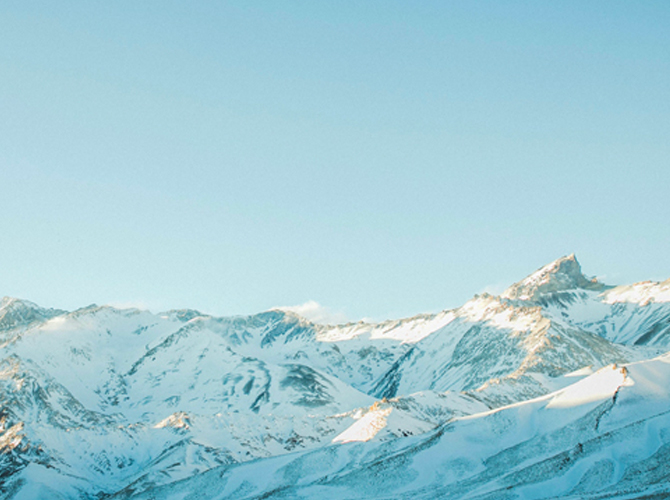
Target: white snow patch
[[491, 310], [601, 385], [366, 427], [640, 293], [582, 372], [179, 420], [410, 330]]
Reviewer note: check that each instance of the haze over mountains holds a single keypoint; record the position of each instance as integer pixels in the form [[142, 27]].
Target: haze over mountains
[[557, 388]]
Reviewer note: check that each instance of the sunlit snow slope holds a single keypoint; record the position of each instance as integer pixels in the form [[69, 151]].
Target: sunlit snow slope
[[606, 436]]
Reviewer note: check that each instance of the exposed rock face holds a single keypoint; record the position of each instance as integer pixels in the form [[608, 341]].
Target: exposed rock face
[[561, 275], [16, 313]]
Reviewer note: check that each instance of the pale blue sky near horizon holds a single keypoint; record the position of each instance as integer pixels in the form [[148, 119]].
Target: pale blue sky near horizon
[[380, 158]]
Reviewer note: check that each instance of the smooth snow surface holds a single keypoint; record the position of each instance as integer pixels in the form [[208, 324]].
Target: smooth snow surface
[[366, 428], [597, 387]]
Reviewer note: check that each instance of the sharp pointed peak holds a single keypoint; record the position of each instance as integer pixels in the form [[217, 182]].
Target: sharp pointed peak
[[565, 273]]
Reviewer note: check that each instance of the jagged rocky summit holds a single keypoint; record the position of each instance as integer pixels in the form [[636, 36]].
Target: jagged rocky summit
[[530, 394], [562, 275]]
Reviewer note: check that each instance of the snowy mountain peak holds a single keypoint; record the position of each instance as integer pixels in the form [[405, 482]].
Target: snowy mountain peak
[[562, 274], [17, 312], [7, 302], [183, 315]]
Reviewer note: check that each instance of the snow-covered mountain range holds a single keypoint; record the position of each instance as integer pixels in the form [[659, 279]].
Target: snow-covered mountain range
[[557, 388]]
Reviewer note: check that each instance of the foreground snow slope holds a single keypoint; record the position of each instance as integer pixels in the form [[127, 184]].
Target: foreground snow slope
[[606, 436], [102, 400]]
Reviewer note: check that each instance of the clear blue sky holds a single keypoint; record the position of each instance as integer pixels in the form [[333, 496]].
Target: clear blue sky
[[381, 158]]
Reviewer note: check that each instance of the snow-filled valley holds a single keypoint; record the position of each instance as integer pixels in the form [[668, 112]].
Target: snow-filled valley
[[557, 388]]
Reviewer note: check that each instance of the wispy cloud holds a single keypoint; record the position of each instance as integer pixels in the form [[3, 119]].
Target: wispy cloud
[[135, 304], [493, 289], [317, 313]]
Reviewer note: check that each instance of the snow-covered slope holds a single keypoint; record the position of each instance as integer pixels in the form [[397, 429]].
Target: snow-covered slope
[[516, 346], [606, 436], [104, 400]]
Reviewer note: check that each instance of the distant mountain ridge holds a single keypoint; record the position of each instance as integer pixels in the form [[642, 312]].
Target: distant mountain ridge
[[103, 401]]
